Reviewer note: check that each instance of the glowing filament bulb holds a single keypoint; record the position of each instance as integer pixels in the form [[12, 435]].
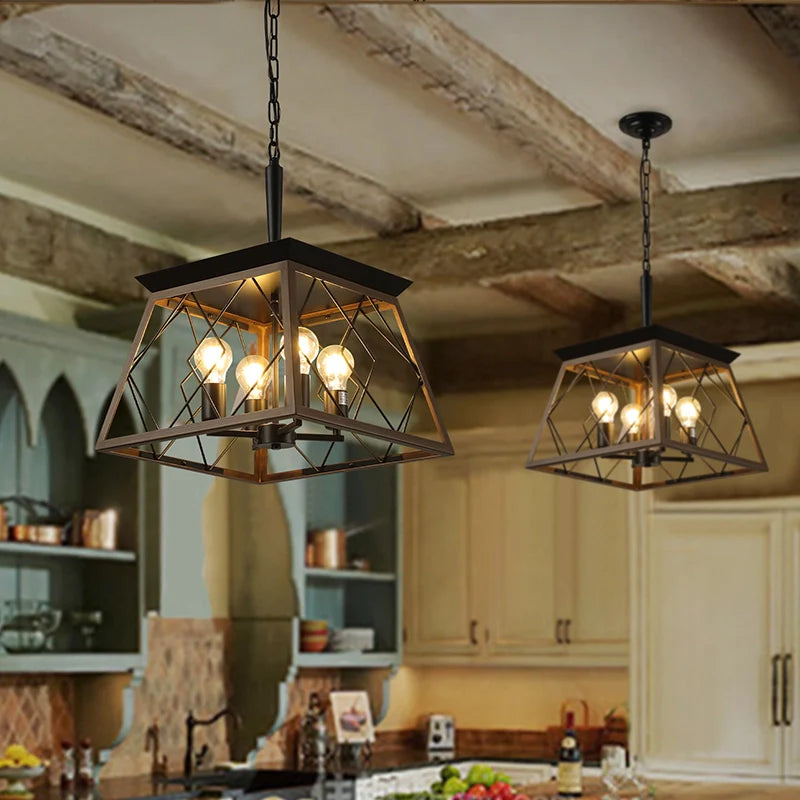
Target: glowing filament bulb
[[604, 406], [687, 410], [335, 365], [308, 347], [669, 397], [213, 357], [631, 416], [252, 374]]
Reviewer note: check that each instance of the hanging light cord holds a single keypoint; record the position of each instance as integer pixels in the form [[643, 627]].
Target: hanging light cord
[[644, 191], [273, 174], [272, 9]]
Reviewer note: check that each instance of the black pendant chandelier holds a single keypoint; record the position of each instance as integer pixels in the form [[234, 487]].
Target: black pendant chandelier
[[649, 407], [328, 376]]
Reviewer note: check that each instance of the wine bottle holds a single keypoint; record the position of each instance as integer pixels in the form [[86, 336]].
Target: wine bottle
[[570, 762]]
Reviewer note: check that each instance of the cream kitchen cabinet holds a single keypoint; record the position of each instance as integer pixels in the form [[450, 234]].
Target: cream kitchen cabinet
[[714, 684], [507, 566]]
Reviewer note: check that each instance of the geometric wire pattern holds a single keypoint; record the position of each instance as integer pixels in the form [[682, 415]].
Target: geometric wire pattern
[[653, 408], [290, 418]]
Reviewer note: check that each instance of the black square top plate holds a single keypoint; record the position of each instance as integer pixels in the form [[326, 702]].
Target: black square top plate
[[270, 253]]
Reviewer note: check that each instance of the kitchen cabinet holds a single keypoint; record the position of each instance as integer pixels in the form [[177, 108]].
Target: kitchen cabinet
[[55, 383], [714, 681], [508, 566]]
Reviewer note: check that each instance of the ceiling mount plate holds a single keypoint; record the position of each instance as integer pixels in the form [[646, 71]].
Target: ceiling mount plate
[[645, 124]]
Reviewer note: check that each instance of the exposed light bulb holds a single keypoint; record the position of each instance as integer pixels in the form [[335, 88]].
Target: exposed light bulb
[[252, 374], [631, 417], [687, 410], [213, 358], [307, 345], [669, 397], [604, 406], [335, 365]]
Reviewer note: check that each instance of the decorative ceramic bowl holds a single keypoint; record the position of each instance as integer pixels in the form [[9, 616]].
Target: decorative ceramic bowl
[[17, 778]]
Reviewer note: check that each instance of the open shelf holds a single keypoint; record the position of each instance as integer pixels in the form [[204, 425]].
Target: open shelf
[[64, 551], [317, 573], [70, 662], [352, 660]]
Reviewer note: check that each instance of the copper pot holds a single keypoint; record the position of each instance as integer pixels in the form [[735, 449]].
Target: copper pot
[[328, 548], [96, 529], [38, 533]]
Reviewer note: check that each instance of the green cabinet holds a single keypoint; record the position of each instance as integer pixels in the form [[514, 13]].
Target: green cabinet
[[55, 383]]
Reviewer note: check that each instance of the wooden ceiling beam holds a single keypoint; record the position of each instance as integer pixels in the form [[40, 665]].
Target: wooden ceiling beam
[[443, 59], [37, 54], [50, 249], [767, 278], [523, 360], [561, 297], [782, 24], [742, 218], [11, 10]]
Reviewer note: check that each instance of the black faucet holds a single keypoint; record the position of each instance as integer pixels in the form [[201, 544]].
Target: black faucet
[[191, 723]]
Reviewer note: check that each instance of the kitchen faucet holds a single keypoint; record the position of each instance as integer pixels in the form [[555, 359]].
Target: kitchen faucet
[[191, 723]]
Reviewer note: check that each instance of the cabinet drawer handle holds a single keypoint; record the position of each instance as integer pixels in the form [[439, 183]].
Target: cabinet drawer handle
[[775, 719], [787, 689], [558, 631], [473, 632], [567, 624]]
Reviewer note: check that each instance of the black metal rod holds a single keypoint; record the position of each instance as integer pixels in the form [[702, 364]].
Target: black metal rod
[[646, 284], [273, 178]]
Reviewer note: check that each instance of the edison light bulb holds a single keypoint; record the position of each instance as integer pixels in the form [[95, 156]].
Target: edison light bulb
[[631, 417], [669, 397], [308, 345], [687, 410], [604, 406], [335, 365], [252, 374], [213, 357]]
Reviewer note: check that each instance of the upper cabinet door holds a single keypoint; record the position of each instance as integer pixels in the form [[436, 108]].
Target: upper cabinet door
[[597, 569], [713, 636], [515, 526], [439, 609]]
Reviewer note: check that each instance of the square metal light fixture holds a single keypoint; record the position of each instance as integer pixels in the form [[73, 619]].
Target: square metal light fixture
[[654, 407], [298, 411], [658, 407]]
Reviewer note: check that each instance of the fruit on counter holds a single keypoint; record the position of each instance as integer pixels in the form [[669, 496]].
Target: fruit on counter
[[17, 756], [453, 786], [449, 771], [501, 790], [477, 792], [481, 774]]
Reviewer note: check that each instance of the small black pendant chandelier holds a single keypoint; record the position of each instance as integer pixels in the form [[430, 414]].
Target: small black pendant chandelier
[[650, 407], [328, 376]]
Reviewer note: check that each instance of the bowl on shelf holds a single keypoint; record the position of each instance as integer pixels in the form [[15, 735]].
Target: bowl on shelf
[[313, 635], [26, 626], [347, 640]]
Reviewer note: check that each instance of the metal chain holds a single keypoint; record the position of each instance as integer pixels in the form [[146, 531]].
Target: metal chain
[[644, 190], [272, 9]]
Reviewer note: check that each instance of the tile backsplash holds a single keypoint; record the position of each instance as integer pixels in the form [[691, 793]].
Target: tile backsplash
[[37, 711], [187, 669]]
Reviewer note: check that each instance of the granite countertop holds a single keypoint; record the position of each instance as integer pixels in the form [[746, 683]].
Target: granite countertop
[[143, 787]]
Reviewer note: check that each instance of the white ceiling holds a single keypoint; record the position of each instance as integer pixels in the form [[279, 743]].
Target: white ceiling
[[734, 99]]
